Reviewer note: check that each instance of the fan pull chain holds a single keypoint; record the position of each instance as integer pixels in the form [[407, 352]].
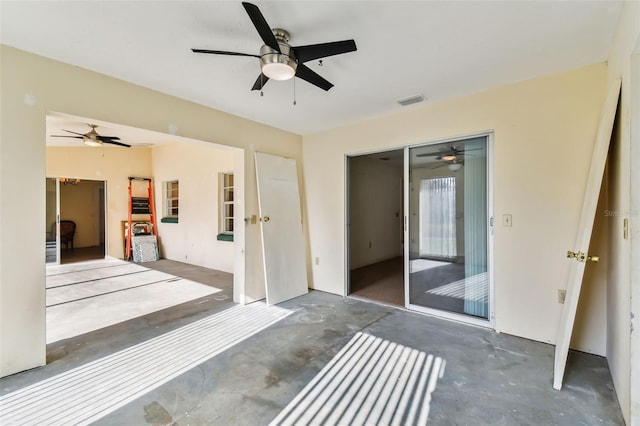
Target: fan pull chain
[[261, 84], [294, 91]]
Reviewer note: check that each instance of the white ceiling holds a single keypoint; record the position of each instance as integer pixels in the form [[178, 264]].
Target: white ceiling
[[442, 49]]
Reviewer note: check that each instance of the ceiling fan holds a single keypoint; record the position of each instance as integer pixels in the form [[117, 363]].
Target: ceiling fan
[[450, 154], [281, 61], [453, 165], [92, 138]]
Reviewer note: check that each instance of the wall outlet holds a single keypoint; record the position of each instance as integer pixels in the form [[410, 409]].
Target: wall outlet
[[561, 295]]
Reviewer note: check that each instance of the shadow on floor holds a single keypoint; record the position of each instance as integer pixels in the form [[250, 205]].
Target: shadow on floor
[[422, 281], [139, 326], [490, 378], [81, 254], [384, 282]]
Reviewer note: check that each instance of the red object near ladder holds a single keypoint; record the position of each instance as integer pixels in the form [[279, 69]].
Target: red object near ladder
[[141, 206]]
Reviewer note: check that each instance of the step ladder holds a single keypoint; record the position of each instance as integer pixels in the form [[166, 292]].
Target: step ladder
[[139, 205]]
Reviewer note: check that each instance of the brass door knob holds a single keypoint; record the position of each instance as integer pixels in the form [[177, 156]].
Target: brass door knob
[[266, 219], [582, 257]]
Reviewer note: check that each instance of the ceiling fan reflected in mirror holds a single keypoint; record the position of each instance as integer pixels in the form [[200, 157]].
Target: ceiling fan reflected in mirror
[[92, 138], [453, 165], [450, 154], [281, 61]]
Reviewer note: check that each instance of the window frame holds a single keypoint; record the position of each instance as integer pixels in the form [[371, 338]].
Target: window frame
[[226, 186], [168, 198]]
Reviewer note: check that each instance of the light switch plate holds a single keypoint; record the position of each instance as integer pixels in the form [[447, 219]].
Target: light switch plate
[[507, 220]]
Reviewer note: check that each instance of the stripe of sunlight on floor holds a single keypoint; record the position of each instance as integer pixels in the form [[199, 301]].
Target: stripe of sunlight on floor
[[475, 288], [371, 381], [93, 390]]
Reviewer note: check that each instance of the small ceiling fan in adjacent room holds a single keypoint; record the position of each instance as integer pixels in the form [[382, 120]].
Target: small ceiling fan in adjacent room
[[452, 157], [92, 138], [281, 61], [449, 154]]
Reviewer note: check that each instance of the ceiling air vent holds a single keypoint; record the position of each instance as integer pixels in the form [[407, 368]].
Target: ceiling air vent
[[410, 100]]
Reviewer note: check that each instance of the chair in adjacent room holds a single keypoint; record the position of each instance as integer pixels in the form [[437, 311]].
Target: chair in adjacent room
[[67, 231]]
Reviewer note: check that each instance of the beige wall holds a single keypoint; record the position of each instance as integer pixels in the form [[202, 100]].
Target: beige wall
[[624, 369], [193, 239], [544, 131], [30, 86], [113, 165]]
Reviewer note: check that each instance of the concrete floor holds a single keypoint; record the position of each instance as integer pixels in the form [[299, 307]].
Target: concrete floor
[[490, 378]]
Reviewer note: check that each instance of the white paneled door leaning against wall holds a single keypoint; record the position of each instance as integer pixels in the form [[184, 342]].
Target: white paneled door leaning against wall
[[585, 228], [281, 227]]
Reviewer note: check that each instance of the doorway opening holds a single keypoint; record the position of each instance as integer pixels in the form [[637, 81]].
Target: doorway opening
[[375, 226], [418, 228], [198, 189], [75, 220]]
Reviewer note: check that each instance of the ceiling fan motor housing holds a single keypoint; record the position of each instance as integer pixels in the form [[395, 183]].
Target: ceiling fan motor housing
[[278, 65], [92, 138]]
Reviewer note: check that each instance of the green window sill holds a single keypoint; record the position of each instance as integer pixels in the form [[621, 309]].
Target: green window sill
[[225, 237], [169, 220]]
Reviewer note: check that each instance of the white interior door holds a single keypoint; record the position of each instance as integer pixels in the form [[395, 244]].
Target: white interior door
[[589, 205], [281, 227]]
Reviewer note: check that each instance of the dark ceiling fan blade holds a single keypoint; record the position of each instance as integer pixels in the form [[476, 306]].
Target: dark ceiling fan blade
[[65, 136], [116, 143], [322, 50], [75, 133], [223, 52], [260, 82], [312, 77], [261, 25], [431, 154], [108, 138]]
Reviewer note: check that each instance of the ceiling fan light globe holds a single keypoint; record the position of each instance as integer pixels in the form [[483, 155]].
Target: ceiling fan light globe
[[454, 167], [278, 71], [278, 65], [449, 157], [92, 142]]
